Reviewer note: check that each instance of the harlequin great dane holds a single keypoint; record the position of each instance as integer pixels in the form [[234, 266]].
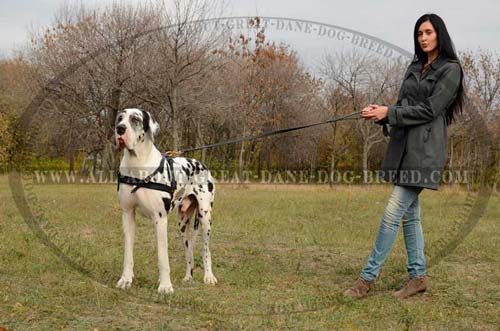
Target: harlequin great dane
[[154, 185]]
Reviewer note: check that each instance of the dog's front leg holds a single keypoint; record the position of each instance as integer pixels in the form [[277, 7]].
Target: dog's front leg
[[128, 223], [163, 263]]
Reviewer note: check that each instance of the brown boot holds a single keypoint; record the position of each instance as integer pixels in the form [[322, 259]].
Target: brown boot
[[411, 287], [359, 289]]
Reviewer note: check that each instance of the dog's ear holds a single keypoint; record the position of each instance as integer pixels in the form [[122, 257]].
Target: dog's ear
[[145, 120], [149, 124]]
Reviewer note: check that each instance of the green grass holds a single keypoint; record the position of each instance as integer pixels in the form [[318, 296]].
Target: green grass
[[282, 255]]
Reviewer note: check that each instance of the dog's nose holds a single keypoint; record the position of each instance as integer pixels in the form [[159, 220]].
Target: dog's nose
[[120, 129]]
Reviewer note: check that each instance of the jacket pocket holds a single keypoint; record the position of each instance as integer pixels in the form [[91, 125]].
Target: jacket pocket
[[428, 84], [430, 78]]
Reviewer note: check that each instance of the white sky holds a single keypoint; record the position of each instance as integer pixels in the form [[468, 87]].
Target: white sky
[[472, 24]]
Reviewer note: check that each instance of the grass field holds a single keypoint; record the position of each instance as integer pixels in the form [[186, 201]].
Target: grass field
[[282, 255]]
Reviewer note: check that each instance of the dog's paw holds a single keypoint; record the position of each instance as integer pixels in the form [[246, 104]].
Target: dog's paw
[[187, 278], [165, 289], [210, 279], [125, 282]]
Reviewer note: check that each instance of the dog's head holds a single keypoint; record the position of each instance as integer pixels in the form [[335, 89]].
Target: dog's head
[[133, 126]]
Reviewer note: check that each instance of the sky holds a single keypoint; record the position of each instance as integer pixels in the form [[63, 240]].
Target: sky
[[471, 24]]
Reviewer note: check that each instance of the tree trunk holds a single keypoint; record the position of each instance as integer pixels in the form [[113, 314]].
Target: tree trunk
[[200, 140], [115, 106], [71, 162], [94, 162], [451, 160], [173, 106], [312, 167], [366, 149], [332, 164], [241, 160], [203, 155], [259, 161], [108, 158], [268, 157], [83, 165], [469, 175]]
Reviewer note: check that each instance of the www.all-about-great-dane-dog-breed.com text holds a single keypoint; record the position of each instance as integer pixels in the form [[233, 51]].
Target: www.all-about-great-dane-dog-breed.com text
[[155, 184]]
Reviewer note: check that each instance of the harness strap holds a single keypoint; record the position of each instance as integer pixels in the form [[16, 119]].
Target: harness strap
[[170, 170], [146, 182], [159, 169]]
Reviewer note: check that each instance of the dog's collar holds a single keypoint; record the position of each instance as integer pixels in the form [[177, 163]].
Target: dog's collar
[[146, 182]]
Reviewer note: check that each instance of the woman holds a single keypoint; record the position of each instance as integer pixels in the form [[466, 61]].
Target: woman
[[430, 96]]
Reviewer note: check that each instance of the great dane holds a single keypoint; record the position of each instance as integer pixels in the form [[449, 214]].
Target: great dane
[[155, 184]]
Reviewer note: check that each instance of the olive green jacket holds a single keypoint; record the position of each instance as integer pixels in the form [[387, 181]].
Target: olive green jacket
[[417, 149]]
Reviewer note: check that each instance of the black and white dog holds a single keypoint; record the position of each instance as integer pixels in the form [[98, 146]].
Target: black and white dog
[[155, 185]]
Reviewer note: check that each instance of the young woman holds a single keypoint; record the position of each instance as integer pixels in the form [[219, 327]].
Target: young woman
[[430, 96]]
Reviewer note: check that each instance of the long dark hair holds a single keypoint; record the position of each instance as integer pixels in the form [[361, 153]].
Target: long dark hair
[[447, 51]]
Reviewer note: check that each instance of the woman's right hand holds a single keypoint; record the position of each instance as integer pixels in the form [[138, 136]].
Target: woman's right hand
[[366, 113]]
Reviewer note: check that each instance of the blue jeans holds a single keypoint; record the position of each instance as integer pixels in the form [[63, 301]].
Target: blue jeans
[[403, 200]]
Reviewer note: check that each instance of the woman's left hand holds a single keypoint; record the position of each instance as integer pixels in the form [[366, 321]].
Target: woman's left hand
[[375, 112]]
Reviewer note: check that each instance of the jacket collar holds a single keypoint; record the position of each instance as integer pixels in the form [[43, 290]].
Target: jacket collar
[[435, 65]]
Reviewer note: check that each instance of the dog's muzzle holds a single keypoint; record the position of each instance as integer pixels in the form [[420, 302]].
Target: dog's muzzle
[[120, 129], [120, 141]]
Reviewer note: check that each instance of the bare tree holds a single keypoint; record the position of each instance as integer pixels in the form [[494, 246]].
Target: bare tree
[[183, 56], [364, 80], [468, 147], [106, 44], [336, 103], [269, 89]]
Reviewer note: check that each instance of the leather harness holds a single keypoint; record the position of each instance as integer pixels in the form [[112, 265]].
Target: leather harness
[[146, 182]]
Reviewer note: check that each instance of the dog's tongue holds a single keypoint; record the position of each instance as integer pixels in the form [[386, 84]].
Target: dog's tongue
[[121, 143]]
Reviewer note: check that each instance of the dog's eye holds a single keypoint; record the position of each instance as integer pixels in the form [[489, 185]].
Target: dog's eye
[[119, 119], [136, 119]]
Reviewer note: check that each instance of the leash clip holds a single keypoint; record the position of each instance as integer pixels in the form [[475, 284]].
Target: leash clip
[[174, 153]]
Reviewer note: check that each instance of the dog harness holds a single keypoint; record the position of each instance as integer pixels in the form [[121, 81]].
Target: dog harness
[[146, 182]]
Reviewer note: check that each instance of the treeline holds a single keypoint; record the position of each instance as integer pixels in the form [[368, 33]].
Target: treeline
[[204, 85]]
